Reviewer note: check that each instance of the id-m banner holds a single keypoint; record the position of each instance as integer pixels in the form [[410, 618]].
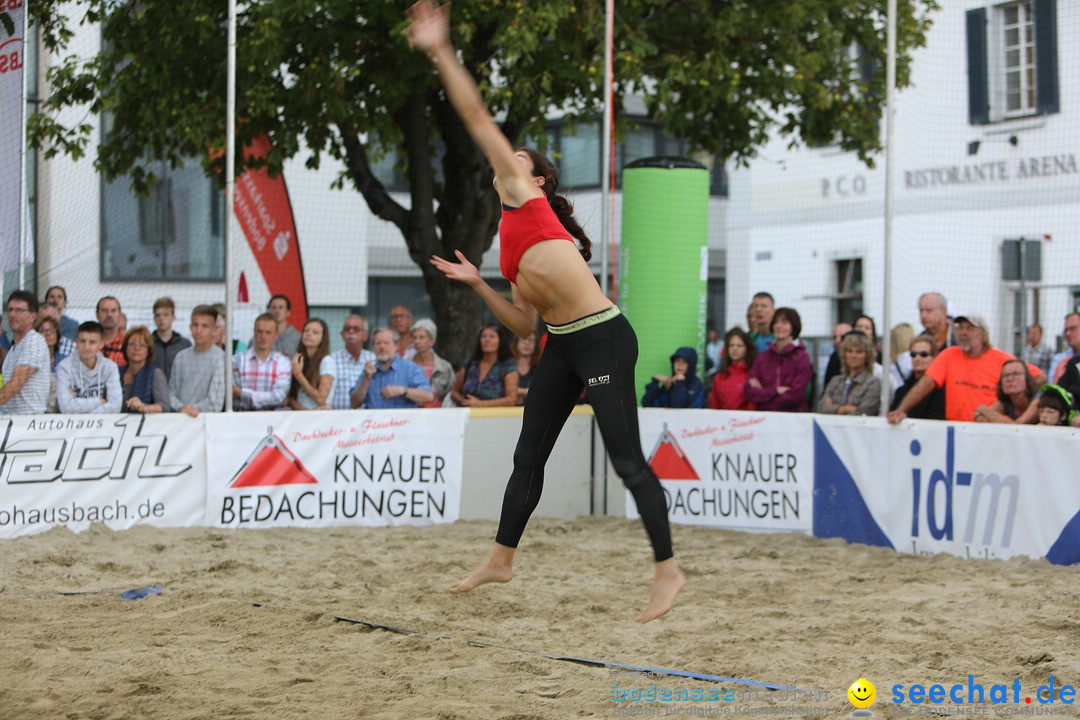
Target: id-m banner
[[969, 489]]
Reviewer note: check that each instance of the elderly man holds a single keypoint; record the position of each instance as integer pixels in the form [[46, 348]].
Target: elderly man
[[391, 382], [350, 361], [934, 316], [969, 371]]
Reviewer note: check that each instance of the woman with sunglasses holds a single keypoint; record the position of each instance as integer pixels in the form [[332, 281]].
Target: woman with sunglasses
[[922, 352]]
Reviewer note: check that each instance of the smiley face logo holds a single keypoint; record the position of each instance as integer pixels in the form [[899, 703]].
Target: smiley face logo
[[862, 693]]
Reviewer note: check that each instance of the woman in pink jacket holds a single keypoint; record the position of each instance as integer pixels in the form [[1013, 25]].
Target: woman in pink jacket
[[780, 375], [729, 382]]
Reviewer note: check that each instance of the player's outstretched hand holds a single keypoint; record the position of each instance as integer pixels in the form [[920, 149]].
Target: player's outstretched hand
[[429, 25], [462, 271]]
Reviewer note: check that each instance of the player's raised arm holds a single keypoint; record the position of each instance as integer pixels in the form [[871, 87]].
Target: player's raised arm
[[429, 31]]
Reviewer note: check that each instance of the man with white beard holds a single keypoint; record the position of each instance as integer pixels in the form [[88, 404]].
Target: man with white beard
[[391, 381]]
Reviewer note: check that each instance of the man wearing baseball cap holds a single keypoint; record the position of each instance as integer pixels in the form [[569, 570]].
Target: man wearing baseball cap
[[969, 371]]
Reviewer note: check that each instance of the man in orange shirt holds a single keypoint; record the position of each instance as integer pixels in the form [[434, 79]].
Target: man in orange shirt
[[969, 371]]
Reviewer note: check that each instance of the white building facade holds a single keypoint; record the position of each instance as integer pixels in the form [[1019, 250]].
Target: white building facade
[[986, 150]]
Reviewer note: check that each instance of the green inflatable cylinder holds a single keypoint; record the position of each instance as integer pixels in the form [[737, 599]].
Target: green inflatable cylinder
[[664, 260]]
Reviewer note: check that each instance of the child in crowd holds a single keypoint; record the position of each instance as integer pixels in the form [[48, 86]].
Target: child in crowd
[[1055, 406]]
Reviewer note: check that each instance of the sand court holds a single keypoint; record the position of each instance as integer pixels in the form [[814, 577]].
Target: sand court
[[245, 624]]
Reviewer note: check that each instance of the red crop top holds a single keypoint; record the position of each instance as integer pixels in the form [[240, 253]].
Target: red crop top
[[523, 227]]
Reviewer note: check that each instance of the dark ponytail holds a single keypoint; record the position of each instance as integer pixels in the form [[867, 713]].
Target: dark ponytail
[[564, 210]]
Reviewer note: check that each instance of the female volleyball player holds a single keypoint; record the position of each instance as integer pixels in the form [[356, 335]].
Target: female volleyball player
[[590, 344]]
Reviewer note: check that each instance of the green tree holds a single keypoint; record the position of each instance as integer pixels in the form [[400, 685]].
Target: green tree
[[320, 79]]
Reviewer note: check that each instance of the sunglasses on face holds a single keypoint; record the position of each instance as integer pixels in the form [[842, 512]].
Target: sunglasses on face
[[920, 353]]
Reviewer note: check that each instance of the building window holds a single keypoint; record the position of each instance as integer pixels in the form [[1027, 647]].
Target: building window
[[1018, 52], [579, 156], [849, 289], [1012, 61], [175, 232], [385, 169], [577, 151], [638, 142]]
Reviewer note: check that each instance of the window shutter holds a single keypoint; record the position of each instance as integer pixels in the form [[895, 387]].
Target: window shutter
[[978, 83], [1046, 66]]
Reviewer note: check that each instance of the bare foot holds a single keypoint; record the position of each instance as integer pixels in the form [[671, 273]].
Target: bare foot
[[499, 567], [667, 583]]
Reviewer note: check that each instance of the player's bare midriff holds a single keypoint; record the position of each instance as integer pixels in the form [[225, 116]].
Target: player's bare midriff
[[555, 279]]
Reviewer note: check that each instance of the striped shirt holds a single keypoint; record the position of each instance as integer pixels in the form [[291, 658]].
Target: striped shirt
[[263, 383], [349, 370], [33, 397]]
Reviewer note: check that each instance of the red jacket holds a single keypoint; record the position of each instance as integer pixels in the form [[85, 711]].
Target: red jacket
[[728, 392]]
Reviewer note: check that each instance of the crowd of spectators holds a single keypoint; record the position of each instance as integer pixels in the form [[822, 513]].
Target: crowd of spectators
[[53, 364], [950, 370]]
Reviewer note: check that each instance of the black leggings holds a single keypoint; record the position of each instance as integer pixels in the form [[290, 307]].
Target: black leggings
[[601, 357]]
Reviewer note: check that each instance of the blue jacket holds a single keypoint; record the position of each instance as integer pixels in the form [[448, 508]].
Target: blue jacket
[[688, 393]]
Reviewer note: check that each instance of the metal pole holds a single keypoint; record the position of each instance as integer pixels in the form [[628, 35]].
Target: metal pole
[[230, 183], [890, 111], [22, 154], [599, 457], [1020, 339], [605, 155]]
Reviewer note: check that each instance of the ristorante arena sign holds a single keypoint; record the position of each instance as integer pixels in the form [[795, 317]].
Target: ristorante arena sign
[[994, 171]]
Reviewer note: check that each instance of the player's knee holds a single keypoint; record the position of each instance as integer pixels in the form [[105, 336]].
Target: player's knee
[[525, 459], [634, 476]]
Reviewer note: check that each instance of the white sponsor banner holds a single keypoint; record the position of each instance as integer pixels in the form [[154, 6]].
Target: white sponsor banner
[[969, 489], [75, 470], [315, 469], [737, 470]]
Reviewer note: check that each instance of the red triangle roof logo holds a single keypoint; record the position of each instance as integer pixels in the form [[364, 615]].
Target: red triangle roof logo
[[272, 464], [668, 460]]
